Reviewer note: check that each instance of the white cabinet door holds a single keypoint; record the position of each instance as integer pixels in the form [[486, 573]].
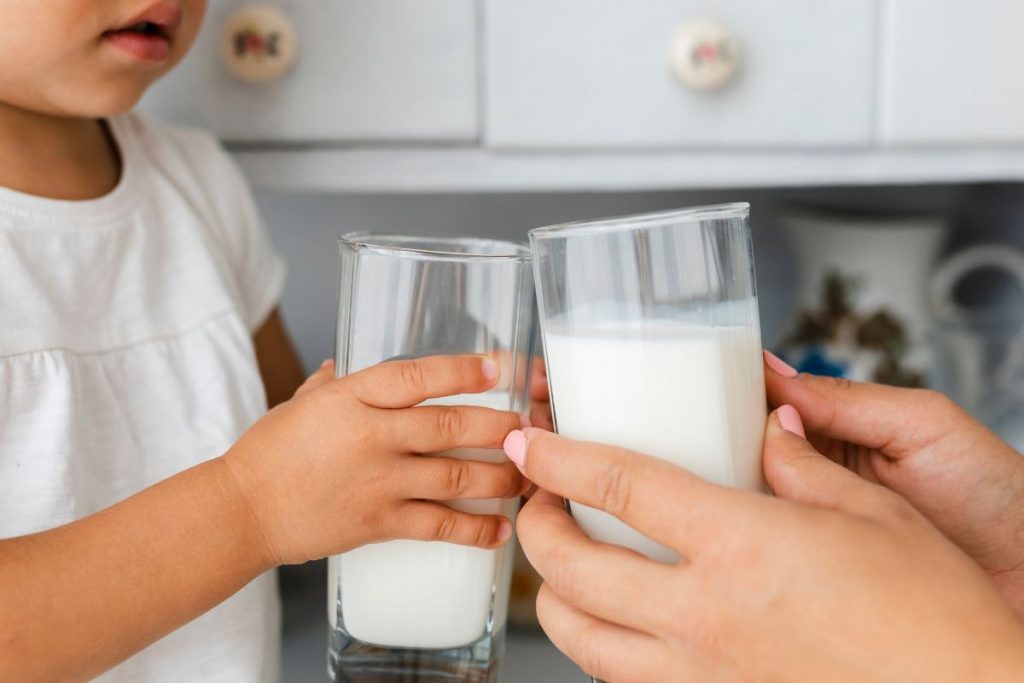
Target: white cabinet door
[[596, 73], [367, 70], [953, 71]]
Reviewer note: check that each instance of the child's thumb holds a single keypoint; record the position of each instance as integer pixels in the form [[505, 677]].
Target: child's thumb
[[323, 375]]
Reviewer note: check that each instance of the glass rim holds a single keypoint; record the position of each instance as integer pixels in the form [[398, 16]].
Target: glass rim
[[434, 247], [693, 214]]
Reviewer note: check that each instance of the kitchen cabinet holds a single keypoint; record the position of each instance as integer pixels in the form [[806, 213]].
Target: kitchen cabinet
[[387, 70], [952, 72], [599, 74], [441, 96]]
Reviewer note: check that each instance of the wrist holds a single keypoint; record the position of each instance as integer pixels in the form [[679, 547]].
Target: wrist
[[238, 498]]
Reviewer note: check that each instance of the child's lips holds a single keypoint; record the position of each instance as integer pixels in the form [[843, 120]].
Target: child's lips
[[147, 36], [143, 45]]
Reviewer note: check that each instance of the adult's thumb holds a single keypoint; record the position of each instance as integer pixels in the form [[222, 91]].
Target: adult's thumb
[[796, 471]]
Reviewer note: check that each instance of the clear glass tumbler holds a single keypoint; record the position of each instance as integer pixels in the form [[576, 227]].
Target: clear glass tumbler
[[653, 343], [413, 610]]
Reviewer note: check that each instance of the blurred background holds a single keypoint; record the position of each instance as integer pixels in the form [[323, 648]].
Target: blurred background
[[879, 142]]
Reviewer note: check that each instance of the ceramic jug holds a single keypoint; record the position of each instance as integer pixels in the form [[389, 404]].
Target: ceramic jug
[[863, 308]]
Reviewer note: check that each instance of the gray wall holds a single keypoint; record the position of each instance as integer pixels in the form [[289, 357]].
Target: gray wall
[[305, 227]]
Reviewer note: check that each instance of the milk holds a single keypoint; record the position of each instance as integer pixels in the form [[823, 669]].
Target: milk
[[416, 594], [687, 393]]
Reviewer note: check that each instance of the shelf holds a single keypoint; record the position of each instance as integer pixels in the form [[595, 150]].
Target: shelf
[[370, 169]]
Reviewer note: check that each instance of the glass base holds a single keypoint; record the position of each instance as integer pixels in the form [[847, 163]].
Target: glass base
[[352, 661]]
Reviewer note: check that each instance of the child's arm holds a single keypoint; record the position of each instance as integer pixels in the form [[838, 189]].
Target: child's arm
[[334, 468], [279, 364]]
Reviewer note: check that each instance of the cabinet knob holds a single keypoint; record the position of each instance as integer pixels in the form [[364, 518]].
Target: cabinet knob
[[259, 44], [705, 55]]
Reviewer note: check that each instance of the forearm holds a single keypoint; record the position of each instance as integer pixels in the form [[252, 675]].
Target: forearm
[[279, 364], [78, 599]]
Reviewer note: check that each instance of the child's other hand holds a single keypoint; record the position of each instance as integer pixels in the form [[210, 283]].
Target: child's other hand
[[340, 464]]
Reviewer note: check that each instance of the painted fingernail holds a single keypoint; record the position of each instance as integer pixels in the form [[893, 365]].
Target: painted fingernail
[[779, 366], [790, 421], [515, 448], [327, 362], [489, 369], [504, 530]]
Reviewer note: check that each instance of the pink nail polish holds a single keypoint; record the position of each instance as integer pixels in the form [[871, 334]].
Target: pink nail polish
[[779, 366], [790, 420], [515, 448]]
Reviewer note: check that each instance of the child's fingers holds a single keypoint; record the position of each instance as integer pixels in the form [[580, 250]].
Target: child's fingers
[[323, 375], [428, 429], [435, 478], [405, 383], [423, 521]]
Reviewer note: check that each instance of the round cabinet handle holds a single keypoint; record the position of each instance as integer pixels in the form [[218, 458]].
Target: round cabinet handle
[[705, 55], [259, 44]]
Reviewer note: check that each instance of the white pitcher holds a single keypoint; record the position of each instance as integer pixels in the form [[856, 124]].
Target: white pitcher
[[863, 307]]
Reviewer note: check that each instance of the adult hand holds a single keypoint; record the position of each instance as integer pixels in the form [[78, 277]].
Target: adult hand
[[341, 464], [838, 579], [957, 473]]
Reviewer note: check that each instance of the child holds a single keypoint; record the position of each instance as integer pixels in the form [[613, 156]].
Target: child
[[137, 308]]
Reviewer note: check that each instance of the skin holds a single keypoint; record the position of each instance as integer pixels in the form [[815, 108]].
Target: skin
[[335, 467], [59, 78], [540, 399], [835, 579], [278, 363], [275, 497], [918, 443]]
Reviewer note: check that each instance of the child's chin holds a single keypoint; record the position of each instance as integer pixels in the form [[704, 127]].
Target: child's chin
[[112, 101]]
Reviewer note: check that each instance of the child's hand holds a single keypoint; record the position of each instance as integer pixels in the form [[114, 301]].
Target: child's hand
[[959, 475], [340, 464]]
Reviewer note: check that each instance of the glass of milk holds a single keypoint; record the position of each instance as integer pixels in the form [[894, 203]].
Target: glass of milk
[[652, 342], [413, 610]]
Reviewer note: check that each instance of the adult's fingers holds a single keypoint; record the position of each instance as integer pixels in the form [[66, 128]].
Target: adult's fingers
[[436, 478], [432, 428], [405, 383], [894, 420], [612, 583], [323, 375], [603, 650], [668, 504], [797, 472], [423, 521]]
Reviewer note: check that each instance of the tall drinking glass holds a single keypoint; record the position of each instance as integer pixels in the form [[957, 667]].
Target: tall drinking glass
[[413, 610], [652, 342]]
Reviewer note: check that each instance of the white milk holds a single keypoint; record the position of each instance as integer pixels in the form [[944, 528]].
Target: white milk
[[690, 394], [420, 594]]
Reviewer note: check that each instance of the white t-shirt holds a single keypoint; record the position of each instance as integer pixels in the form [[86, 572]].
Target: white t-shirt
[[126, 356]]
